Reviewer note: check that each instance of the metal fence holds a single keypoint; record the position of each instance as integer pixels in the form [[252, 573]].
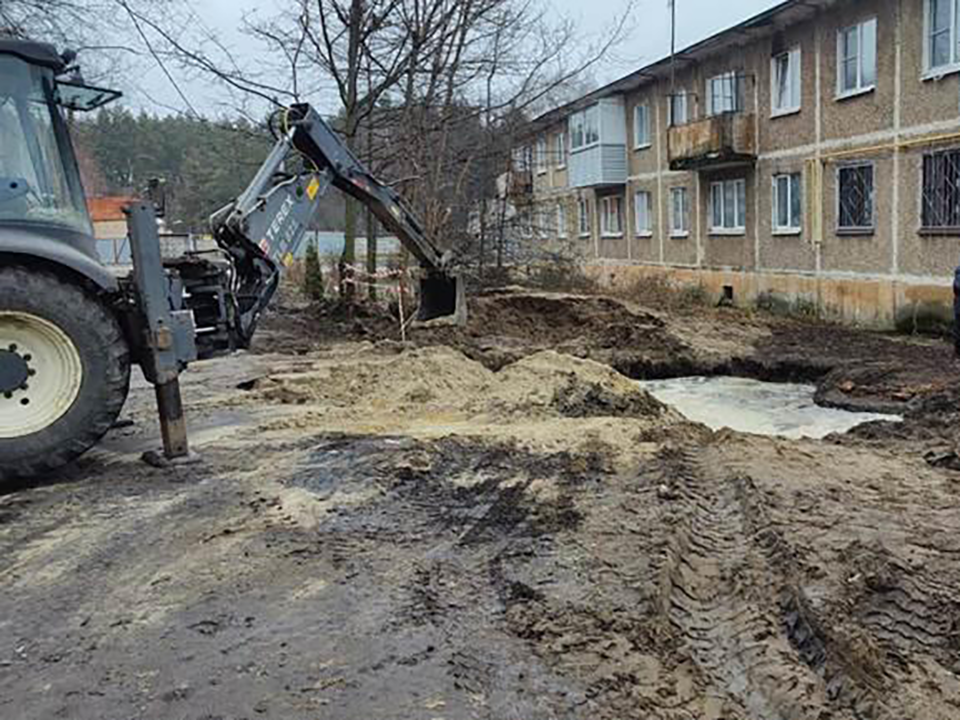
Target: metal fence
[[116, 251]]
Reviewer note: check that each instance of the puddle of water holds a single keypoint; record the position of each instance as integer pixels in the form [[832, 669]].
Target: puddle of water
[[763, 408]]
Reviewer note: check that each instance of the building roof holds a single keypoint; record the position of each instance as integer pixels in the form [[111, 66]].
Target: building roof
[[108, 208], [760, 25]]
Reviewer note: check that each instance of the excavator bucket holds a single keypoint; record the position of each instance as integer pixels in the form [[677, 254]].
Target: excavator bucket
[[442, 298]]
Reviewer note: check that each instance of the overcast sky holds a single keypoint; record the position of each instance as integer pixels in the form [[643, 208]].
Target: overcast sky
[[648, 40]]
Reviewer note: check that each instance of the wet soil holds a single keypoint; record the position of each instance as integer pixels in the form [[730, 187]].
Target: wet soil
[[854, 369], [491, 523]]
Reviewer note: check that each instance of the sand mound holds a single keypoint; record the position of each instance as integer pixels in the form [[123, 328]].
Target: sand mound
[[443, 379], [432, 375], [561, 384]]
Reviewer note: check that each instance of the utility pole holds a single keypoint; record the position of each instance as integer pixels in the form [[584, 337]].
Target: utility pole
[[673, 52], [371, 220]]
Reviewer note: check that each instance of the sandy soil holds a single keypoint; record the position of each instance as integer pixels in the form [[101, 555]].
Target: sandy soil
[[494, 522]]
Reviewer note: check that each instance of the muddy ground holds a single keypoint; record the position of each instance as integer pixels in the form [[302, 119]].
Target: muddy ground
[[494, 522]]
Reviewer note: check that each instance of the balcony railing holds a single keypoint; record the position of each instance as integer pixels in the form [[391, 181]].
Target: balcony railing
[[520, 186], [717, 141]]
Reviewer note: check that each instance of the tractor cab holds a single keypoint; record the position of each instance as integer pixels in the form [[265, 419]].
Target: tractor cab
[[40, 188]]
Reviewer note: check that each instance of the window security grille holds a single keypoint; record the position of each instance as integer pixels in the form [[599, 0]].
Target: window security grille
[[941, 190], [856, 197]]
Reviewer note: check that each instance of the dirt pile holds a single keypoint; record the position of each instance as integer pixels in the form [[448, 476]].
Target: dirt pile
[[437, 376], [505, 326], [442, 379], [295, 326], [508, 325]]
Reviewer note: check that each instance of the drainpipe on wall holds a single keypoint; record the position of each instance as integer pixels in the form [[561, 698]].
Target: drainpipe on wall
[[956, 312], [895, 210], [816, 177]]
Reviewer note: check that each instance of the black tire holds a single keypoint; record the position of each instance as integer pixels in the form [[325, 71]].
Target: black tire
[[104, 362]]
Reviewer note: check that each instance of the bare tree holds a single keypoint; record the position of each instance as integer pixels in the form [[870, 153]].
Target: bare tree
[[431, 92], [493, 64], [108, 34]]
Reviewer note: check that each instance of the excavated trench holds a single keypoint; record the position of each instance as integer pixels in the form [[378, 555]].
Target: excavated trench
[[765, 408], [852, 370]]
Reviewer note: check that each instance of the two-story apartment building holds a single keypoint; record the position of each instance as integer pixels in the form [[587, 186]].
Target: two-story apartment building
[[812, 151]]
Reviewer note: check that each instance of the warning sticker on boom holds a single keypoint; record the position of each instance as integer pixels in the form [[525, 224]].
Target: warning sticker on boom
[[313, 187]]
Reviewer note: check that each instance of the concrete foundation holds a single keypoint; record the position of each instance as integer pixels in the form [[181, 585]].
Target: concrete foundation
[[880, 302]]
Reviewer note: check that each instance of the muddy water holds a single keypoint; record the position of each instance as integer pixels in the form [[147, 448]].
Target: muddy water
[[779, 409]]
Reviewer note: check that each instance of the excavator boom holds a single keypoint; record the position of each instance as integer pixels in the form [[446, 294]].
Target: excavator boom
[[263, 228]]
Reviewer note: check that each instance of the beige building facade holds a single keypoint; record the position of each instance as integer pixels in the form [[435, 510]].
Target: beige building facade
[[811, 153]]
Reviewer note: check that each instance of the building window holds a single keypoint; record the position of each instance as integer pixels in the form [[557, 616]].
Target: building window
[[857, 58], [723, 94], [541, 154], [583, 217], [560, 148], [543, 223], [611, 216], [585, 128], [679, 108], [678, 212], [641, 214], [785, 73], [787, 203], [855, 198], [521, 158], [941, 191], [561, 220], [641, 127], [942, 53], [728, 204], [526, 225]]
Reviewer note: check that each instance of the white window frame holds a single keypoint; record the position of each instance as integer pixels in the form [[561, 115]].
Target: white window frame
[[561, 220], [931, 72], [862, 27], [789, 228], [521, 158], [681, 229], [575, 130], [585, 125], [611, 207], [542, 229], [542, 164], [794, 87], [739, 195], [526, 225], [683, 98], [859, 229], [583, 218], [733, 79], [560, 146], [642, 222], [641, 140]]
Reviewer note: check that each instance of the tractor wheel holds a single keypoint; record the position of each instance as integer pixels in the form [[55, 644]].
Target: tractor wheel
[[64, 371]]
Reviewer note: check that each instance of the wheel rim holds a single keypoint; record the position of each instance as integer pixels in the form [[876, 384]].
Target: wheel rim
[[40, 373]]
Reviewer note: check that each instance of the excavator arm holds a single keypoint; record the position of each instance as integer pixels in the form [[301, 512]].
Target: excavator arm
[[263, 228]]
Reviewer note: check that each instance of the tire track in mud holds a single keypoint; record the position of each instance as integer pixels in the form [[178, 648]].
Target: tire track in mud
[[907, 611], [669, 595], [712, 595]]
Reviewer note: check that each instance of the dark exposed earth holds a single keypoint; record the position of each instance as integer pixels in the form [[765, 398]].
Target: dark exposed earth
[[495, 522]]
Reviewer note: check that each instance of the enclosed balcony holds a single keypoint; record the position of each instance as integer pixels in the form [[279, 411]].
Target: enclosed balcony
[[719, 141], [598, 145]]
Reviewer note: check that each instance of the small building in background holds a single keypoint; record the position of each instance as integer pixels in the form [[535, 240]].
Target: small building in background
[[110, 228]]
